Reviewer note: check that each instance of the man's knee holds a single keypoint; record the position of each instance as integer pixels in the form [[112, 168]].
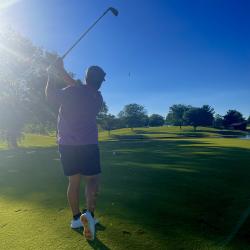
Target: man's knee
[[92, 179], [74, 181], [93, 183]]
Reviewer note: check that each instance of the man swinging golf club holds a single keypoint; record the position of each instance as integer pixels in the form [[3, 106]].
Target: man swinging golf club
[[78, 139]]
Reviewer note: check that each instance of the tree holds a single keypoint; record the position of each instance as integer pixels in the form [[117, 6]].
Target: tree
[[134, 115], [176, 114], [103, 113], [169, 119], [156, 120], [22, 80], [13, 114], [232, 117], [207, 115], [108, 122], [203, 116], [248, 120], [193, 117], [119, 123], [14, 51], [218, 121], [104, 109]]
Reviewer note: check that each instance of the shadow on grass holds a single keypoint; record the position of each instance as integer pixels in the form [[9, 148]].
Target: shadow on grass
[[165, 187], [146, 132], [96, 244], [224, 132], [198, 133], [129, 137], [146, 136], [178, 134]]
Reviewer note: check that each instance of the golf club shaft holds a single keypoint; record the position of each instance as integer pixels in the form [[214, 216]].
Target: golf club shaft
[[84, 34]]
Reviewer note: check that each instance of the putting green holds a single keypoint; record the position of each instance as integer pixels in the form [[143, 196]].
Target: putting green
[[162, 188]]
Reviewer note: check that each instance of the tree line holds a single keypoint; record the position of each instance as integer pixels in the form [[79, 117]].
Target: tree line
[[135, 115]]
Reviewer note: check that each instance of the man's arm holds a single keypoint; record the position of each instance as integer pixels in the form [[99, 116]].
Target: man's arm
[[52, 93], [63, 73], [50, 86]]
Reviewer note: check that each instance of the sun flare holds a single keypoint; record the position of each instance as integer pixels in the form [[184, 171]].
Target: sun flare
[[7, 3]]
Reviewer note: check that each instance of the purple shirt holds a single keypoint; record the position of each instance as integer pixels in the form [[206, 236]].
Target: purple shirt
[[79, 106]]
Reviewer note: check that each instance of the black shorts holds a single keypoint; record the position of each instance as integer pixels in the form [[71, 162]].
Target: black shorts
[[80, 159]]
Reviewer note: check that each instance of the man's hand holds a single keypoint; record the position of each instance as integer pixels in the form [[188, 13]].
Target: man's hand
[[58, 68], [59, 65]]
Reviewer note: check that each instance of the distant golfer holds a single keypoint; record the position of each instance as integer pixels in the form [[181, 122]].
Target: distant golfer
[[77, 137]]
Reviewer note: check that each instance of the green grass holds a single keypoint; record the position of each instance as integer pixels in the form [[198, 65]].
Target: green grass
[[164, 188]]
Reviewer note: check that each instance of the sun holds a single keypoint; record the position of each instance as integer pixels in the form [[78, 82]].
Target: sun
[[7, 3], [4, 5]]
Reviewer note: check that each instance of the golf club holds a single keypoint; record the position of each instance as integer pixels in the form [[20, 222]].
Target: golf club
[[114, 12]]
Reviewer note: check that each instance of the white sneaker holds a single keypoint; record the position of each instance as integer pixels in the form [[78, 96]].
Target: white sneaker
[[89, 225], [76, 223]]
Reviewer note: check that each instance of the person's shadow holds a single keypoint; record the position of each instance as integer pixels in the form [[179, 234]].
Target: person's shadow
[[95, 244]]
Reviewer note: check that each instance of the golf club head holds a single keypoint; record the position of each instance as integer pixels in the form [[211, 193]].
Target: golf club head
[[114, 11]]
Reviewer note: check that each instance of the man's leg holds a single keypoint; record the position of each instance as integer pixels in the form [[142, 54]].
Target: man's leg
[[91, 191], [73, 193]]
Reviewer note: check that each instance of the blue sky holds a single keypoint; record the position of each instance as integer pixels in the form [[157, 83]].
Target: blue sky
[[155, 53]]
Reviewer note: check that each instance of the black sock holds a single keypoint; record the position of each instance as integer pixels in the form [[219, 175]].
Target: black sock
[[77, 216]]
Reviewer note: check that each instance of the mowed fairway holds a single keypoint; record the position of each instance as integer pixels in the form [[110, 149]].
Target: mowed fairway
[[162, 188]]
